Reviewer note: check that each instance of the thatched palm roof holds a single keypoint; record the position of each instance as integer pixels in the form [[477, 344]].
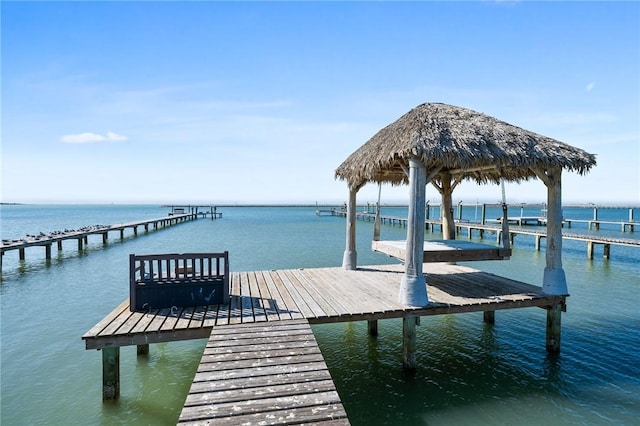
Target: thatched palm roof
[[465, 143]]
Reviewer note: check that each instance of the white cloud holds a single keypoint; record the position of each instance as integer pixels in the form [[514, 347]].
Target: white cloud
[[93, 137]]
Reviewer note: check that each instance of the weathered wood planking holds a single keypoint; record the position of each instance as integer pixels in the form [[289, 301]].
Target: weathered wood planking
[[263, 373], [444, 250], [320, 295]]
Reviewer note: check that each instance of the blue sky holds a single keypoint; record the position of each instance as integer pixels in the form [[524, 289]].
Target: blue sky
[[242, 102]]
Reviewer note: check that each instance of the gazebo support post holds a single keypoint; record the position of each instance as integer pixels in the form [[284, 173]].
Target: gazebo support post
[[554, 280], [376, 222], [448, 224], [350, 258], [413, 288]]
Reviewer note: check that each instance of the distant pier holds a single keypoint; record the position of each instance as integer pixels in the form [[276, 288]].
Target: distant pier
[[82, 235], [209, 210], [481, 228]]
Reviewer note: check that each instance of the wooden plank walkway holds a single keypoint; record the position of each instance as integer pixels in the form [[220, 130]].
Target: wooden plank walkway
[[322, 295], [263, 373]]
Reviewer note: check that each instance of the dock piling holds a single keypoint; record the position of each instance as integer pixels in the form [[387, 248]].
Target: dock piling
[[372, 328], [409, 342], [110, 373], [554, 315], [489, 317]]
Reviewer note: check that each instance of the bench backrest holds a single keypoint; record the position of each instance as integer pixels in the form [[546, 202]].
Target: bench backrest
[[184, 266]]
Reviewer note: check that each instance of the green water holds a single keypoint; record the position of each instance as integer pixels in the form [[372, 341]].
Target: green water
[[468, 372]]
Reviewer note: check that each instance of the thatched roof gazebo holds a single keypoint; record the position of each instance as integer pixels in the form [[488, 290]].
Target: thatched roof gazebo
[[445, 145]]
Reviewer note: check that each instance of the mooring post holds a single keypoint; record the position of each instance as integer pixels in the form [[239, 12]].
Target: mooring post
[[372, 328], [110, 373], [554, 315], [409, 342]]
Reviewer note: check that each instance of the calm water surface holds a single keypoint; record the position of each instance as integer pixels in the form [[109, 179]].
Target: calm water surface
[[468, 372]]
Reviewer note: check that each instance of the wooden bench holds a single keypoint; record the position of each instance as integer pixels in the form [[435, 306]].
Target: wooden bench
[[167, 280]]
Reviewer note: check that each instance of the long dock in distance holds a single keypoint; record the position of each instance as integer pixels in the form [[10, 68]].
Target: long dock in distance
[[430, 224], [82, 235]]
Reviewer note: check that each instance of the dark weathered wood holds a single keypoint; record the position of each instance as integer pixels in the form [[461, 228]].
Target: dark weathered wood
[[372, 328], [489, 317], [110, 373], [142, 350], [188, 279], [554, 316], [409, 340]]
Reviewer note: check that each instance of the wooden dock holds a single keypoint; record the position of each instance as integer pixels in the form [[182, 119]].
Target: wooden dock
[[263, 373], [178, 209], [322, 295], [82, 235], [431, 224]]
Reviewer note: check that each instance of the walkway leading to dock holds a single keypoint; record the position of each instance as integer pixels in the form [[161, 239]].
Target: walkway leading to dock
[[263, 373]]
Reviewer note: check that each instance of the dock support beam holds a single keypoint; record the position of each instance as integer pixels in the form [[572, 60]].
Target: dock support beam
[[110, 373], [409, 342], [554, 315]]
